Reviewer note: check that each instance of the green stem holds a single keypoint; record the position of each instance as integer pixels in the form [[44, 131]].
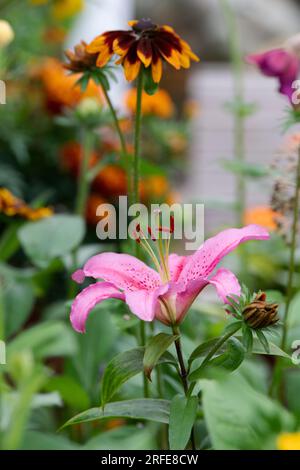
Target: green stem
[[83, 181], [219, 344], [2, 312], [213, 351], [137, 138], [183, 373], [289, 292], [239, 118], [116, 123], [143, 343], [277, 372]]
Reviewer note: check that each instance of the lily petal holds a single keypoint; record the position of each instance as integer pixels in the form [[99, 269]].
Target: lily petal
[[226, 284], [124, 271], [206, 258], [176, 264], [143, 303], [88, 298]]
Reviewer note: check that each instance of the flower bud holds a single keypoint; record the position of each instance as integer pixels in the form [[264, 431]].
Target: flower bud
[[259, 313]]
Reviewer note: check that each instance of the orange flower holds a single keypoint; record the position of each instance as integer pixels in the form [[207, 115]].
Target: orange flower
[[93, 202], [61, 89], [261, 215], [111, 181], [71, 156], [12, 206], [160, 104], [155, 188], [145, 44]]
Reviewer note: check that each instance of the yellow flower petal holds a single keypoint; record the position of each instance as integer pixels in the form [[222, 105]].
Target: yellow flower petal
[[144, 59], [96, 45], [131, 70], [288, 441], [119, 50], [157, 71], [173, 59], [132, 23], [184, 61], [103, 57]]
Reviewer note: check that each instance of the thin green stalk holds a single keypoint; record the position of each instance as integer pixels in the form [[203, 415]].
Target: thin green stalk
[[143, 343], [116, 123], [277, 372], [239, 118], [137, 138], [83, 181], [183, 373], [289, 291], [2, 312]]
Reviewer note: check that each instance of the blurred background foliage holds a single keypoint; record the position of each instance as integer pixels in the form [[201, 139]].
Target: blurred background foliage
[[53, 373]]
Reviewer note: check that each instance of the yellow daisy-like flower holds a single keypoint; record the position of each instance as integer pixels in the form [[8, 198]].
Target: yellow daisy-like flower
[[288, 441], [160, 104], [145, 44], [63, 9], [12, 206]]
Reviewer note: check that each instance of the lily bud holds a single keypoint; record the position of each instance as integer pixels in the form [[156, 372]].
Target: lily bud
[[259, 313]]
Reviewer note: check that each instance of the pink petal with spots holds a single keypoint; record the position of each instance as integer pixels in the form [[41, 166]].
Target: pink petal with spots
[[206, 258], [124, 271], [87, 299], [226, 284], [176, 264]]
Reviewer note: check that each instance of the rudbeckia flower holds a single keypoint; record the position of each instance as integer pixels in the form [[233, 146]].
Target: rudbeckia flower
[[12, 206], [145, 44], [166, 293]]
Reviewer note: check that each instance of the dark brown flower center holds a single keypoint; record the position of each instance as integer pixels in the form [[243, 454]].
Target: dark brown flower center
[[144, 25]]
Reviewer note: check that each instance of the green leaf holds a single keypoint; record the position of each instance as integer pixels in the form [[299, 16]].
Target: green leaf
[[48, 339], [37, 440], [247, 338], [245, 169], [240, 418], [70, 391], [18, 296], [231, 359], [148, 409], [263, 340], [47, 239], [183, 413], [155, 348], [150, 86], [273, 349], [9, 242], [119, 370]]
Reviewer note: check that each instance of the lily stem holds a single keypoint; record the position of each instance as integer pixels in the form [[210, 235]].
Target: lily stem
[[183, 373]]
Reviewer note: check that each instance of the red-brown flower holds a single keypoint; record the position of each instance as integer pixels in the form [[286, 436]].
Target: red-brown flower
[[145, 44]]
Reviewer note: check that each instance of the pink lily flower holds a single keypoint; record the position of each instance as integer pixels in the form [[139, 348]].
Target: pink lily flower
[[166, 294]]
